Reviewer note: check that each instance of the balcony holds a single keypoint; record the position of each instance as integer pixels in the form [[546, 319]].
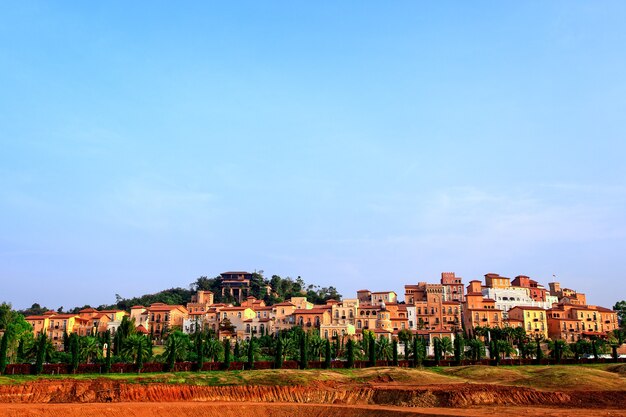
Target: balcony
[[535, 320], [607, 321], [484, 319], [589, 320]]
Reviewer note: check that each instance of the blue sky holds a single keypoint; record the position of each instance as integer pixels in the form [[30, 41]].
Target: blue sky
[[356, 144]]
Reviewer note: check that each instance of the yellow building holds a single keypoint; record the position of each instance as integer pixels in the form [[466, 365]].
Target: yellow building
[[40, 324], [535, 320]]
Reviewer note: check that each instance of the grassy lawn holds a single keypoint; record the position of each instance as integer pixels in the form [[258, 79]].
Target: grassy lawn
[[588, 377]]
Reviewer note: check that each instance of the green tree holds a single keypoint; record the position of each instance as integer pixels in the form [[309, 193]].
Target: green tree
[[133, 345], [226, 363], [74, 351], [459, 348], [350, 354], [41, 353], [213, 348], [418, 351], [539, 352], [446, 346], [199, 344], [236, 351], [383, 349], [250, 353], [107, 362], [476, 349], [620, 308], [394, 351], [327, 355], [404, 337], [278, 353], [176, 348], [372, 352], [89, 348], [304, 360], [437, 350], [4, 346], [504, 348]]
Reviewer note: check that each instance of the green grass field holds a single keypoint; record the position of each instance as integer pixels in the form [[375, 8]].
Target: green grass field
[[557, 377]]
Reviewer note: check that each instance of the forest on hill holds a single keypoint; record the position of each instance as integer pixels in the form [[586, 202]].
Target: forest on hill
[[282, 289]]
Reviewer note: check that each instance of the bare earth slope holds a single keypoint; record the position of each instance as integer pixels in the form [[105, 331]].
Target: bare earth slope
[[527, 391]]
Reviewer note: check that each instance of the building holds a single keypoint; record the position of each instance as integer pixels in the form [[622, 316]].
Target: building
[[507, 295], [236, 285], [534, 320], [164, 318], [566, 295], [453, 289], [479, 311]]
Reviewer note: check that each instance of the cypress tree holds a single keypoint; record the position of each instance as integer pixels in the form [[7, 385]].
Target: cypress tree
[[437, 349], [594, 350], [394, 347], [278, 354], [251, 354], [66, 342], [327, 354], [4, 346], [574, 347], [372, 352], [539, 351], [459, 348], [107, 362], [236, 351], [304, 360], [139, 361], [614, 352], [337, 348], [350, 353], [116, 343], [416, 353], [20, 351], [74, 351], [41, 352], [199, 352], [227, 358]]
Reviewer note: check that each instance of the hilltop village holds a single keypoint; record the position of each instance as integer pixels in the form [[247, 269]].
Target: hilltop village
[[430, 310]]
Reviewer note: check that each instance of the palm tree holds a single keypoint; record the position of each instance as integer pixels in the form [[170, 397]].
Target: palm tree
[[133, 345], [446, 346], [89, 348], [476, 349], [288, 347], [213, 349], [383, 349], [316, 346], [176, 348], [504, 348]]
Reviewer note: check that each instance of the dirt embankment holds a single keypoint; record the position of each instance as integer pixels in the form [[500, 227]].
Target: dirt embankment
[[453, 395]]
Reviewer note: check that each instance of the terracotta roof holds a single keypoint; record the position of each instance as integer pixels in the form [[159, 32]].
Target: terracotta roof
[[529, 308], [284, 303], [142, 329], [134, 307], [64, 316], [37, 317], [88, 310], [311, 311]]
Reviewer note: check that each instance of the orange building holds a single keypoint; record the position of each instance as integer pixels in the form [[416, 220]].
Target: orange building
[[479, 311], [164, 318]]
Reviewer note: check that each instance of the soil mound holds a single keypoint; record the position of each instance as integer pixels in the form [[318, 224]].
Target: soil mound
[[449, 395]]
